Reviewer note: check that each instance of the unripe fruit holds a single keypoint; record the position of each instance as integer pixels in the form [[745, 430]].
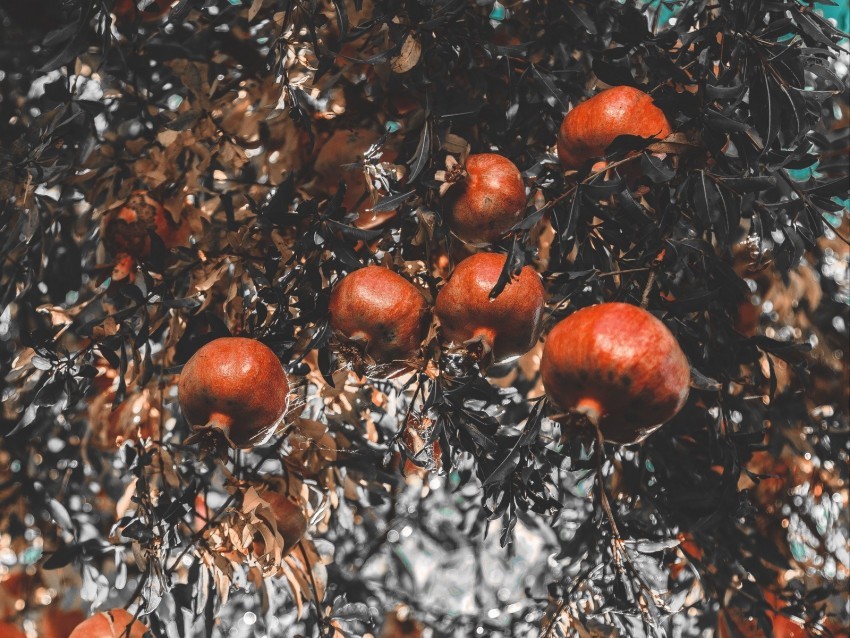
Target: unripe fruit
[[236, 385], [383, 310], [485, 199], [509, 324], [111, 624], [345, 147], [620, 366], [589, 128], [127, 227]]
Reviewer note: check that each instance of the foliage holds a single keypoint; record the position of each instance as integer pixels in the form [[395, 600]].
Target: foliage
[[219, 108]]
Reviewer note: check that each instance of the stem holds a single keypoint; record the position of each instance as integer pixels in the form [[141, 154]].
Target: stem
[[644, 302]]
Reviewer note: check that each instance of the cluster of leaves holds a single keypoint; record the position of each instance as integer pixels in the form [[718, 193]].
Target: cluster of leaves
[[219, 109]]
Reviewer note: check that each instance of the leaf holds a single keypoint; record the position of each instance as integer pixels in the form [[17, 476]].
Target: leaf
[[580, 16], [702, 382], [391, 202], [652, 547], [422, 154], [256, 5], [60, 515], [655, 169]]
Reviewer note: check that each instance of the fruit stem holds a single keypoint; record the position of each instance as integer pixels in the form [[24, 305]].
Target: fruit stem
[[591, 410]]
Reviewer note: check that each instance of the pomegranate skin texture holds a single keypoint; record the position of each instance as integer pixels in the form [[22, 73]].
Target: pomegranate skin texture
[[487, 201], [509, 324], [111, 624], [589, 128], [236, 385], [381, 308], [620, 366]]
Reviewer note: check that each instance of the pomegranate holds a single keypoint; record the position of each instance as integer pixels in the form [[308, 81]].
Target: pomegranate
[[486, 196], [382, 310], [620, 366], [8, 630], [237, 386], [57, 623], [348, 147], [127, 11], [116, 623], [127, 227], [415, 437], [732, 623], [289, 519], [508, 324], [590, 127]]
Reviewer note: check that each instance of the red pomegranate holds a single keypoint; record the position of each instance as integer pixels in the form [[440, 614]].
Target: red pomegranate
[[486, 197], [8, 630], [127, 11], [127, 227], [337, 159], [382, 310], [289, 519], [508, 324], [731, 623], [235, 385], [111, 624], [590, 127], [58, 623], [620, 366]]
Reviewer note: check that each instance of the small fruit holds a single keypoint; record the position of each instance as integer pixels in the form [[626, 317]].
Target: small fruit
[[338, 159], [127, 227], [289, 519], [590, 127], [485, 198], [382, 310], [237, 386], [508, 324], [620, 366], [110, 624]]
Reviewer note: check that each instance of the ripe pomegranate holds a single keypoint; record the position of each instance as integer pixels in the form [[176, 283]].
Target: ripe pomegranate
[[8, 630], [620, 366], [383, 310], [111, 624], [590, 127], [508, 324], [237, 386], [732, 623], [58, 623], [342, 148], [485, 198], [415, 436], [127, 11], [289, 519], [127, 227]]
